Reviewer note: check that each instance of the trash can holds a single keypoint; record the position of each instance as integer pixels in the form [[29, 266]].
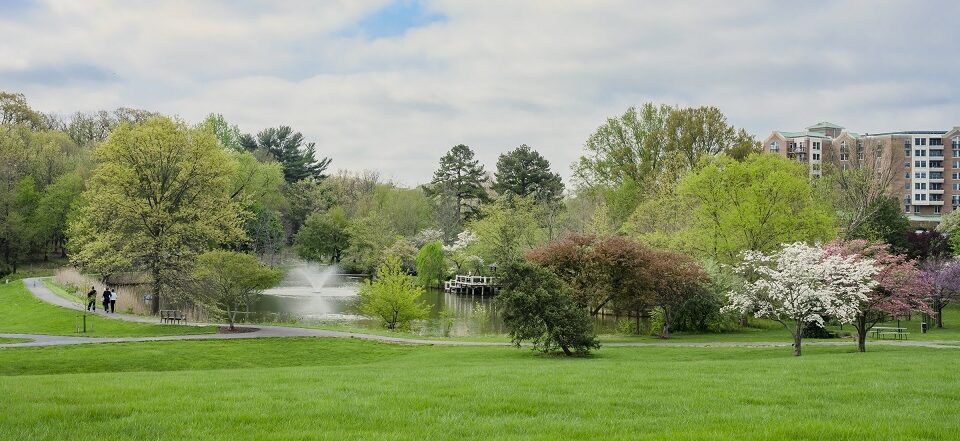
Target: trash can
[[923, 327]]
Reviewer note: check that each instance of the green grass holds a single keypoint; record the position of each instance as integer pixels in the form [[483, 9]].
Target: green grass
[[22, 313], [5, 340], [64, 291], [299, 389]]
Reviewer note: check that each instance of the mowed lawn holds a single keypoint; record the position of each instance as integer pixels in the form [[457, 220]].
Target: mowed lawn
[[22, 313], [305, 389]]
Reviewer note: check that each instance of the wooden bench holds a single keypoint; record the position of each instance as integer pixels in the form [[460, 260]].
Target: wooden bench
[[896, 335], [172, 316]]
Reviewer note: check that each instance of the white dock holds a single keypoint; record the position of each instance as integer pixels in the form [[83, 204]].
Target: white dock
[[471, 285]]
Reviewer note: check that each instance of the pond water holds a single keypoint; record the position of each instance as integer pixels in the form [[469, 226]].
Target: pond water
[[322, 293]]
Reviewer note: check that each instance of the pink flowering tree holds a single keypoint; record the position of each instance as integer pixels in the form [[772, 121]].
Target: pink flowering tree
[[943, 278], [900, 286], [802, 284]]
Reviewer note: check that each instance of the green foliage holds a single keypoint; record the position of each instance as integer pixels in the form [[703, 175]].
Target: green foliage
[[256, 184], [508, 228], [405, 251], [228, 134], [15, 110], [537, 306], [950, 227], [159, 196], [231, 280], [324, 236], [756, 204], [286, 146], [431, 266], [524, 172], [370, 236], [265, 233], [460, 177], [392, 297], [886, 222]]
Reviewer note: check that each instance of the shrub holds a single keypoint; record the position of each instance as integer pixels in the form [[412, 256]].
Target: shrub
[[392, 297]]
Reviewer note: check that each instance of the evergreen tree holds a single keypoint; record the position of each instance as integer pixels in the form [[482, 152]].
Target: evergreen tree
[[524, 172], [286, 146], [461, 176]]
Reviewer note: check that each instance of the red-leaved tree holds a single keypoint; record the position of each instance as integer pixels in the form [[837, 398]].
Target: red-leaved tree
[[901, 287], [943, 278]]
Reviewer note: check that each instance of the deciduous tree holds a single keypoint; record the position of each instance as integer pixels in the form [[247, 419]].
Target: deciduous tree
[[943, 277], [801, 285], [392, 297], [231, 280]]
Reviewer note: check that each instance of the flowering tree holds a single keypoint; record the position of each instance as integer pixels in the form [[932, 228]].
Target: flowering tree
[[943, 277], [802, 284], [900, 287]]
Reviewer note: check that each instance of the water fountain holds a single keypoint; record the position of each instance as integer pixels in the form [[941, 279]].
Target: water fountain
[[313, 291]]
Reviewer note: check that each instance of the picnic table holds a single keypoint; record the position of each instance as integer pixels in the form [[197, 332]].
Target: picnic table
[[882, 332]]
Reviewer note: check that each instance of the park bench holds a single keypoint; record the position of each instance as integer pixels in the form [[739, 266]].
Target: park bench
[[882, 332], [172, 316]]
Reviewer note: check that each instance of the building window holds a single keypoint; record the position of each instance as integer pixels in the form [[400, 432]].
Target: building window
[[956, 186], [920, 186], [936, 164], [906, 164], [775, 147], [919, 153], [956, 176], [816, 145], [906, 208], [816, 156], [933, 175], [936, 141], [936, 197], [956, 164], [936, 209], [919, 141], [956, 153], [916, 209], [956, 142], [936, 186], [936, 152], [906, 175]]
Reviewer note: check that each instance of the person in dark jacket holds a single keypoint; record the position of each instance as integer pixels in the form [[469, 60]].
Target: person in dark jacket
[[106, 300], [92, 299]]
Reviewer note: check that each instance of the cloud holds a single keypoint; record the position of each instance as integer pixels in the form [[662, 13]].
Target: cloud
[[392, 85]]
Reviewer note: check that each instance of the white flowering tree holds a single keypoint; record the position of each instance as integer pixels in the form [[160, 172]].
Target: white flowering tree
[[802, 284]]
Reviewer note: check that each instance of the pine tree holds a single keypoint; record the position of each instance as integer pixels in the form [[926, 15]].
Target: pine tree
[[524, 172], [286, 146], [461, 176]]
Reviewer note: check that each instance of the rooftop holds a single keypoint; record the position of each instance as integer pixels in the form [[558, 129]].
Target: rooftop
[[910, 132], [825, 125], [803, 134]]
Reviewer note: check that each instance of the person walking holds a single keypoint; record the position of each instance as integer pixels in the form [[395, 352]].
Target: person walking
[[113, 299], [106, 299], [92, 299]]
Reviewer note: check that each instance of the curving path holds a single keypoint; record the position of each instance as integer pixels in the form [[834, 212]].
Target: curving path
[[38, 289]]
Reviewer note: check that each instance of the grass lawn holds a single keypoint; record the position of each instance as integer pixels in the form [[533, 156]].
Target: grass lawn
[[5, 340], [299, 389], [21, 312]]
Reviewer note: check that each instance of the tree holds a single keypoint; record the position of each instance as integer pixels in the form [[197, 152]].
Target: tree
[[324, 236], [370, 236], [887, 223], [159, 196], [524, 172], [537, 306], [602, 271], [265, 233], [950, 226], [928, 245], [232, 280], [676, 280], [656, 144], [461, 177], [228, 134], [15, 110], [298, 160], [801, 285], [431, 267], [943, 277], [753, 205], [508, 228], [899, 287], [402, 249], [53, 209], [856, 191], [392, 297]]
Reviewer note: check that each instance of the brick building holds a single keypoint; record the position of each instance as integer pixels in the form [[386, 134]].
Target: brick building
[[924, 164]]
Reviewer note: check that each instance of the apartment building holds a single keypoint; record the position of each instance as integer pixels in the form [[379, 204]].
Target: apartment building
[[924, 164]]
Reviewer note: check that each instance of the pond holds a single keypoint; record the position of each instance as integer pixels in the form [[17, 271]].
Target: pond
[[322, 293]]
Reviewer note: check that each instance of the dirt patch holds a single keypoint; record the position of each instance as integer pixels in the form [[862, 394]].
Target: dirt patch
[[236, 330]]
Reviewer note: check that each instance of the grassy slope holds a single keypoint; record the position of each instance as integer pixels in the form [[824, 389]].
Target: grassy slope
[[350, 389], [21, 312]]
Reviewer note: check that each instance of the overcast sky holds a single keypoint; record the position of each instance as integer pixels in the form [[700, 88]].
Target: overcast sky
[[391, 85]]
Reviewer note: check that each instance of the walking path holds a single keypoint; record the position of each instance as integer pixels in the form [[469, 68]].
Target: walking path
[[38, 289]]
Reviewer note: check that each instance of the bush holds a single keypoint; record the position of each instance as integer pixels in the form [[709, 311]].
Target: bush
[[392, 297], [537, 306]]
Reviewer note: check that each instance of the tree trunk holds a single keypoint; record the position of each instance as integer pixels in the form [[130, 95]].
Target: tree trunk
[[797, 339], [861, 333], [939, 307], [155, 301], [566, 350], [665, 331]]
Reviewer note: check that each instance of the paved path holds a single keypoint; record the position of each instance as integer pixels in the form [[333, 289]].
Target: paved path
[[36, 286]]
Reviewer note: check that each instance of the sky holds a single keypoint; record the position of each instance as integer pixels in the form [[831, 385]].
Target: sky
[[391, 85]]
